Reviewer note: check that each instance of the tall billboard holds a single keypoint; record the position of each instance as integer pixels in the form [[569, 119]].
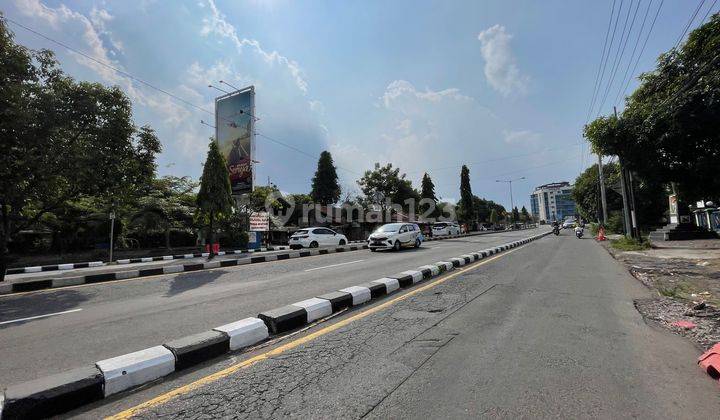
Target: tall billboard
[[235, 128]]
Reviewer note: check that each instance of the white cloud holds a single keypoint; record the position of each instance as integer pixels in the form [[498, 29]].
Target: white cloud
[[521, 137], [501, 69], [218, 25], [402, 88]]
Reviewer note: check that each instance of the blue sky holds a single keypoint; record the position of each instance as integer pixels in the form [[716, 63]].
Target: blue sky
[[503, 86]]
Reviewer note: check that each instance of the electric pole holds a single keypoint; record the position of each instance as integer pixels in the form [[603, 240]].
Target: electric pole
[[603, 202], [623, 186]]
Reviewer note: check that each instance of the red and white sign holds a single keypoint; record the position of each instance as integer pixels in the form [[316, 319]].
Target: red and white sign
[[259, 222]]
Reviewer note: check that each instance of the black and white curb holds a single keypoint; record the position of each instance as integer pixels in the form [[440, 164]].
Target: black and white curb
[[199, 255], [73, 266], [33, 285], [54, 267], [63, 392]]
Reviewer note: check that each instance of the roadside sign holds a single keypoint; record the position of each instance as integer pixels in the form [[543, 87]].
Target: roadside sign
[[259, 222]]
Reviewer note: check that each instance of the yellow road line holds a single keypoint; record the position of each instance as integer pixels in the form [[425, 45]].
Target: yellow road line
[[163, 398]]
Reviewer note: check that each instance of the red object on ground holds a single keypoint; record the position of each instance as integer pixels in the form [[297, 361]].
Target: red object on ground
[[216, 248], [684, 324], [601, 234], [710, 361]]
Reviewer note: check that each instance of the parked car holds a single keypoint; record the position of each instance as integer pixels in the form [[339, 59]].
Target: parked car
[[395, 236], [568, 224], [445, 228], [316, 236]]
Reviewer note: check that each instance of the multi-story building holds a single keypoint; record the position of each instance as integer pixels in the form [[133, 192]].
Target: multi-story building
[[552, 202]]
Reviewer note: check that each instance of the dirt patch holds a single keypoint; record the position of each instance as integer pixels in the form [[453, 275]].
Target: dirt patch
[[687, 286]]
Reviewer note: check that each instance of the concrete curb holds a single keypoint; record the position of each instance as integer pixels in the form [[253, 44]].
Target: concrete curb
[[72, 266], [33, 285], [66, 391]]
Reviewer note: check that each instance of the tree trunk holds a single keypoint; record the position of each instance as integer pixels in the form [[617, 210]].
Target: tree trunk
[[4, 240], [167, 237], [210, 236]]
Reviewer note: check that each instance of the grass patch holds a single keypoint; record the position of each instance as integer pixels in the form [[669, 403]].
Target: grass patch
[[629, 244]]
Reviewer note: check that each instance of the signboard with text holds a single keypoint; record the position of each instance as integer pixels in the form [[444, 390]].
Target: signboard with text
[[259, 222], [234, 133]]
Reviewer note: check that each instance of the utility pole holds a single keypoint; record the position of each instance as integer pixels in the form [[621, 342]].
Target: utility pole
[[112, 232], [512, 205], [623, 185], [602, 190]]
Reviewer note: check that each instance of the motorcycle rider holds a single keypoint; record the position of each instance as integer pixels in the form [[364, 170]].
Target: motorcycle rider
[[556, 227]]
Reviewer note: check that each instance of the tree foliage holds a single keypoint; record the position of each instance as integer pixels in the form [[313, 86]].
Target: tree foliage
[[63, 141], [670, 128], [214, 200], [325, 187], [467, 212], [427, 191], [385, 183]]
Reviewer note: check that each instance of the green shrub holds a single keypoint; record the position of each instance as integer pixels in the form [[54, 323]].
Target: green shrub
[[614, 223], [629, 244]]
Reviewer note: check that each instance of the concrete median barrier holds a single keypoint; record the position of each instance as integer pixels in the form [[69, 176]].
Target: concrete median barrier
[[338, 300], [359, 294], [244, 333], [133, 369], [195, 349], [315, 308], [284, 319], [52, 395]]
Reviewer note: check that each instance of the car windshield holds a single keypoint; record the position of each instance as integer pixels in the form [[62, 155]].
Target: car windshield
[[388, 228]]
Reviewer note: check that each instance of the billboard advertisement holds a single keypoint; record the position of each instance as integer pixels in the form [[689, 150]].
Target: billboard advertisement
[[234, 122]]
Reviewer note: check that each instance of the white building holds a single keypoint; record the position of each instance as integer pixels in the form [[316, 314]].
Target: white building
[[552, 202]]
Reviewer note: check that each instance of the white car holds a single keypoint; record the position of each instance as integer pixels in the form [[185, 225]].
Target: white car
[[395, 236], [316, 236], [568, 224], [445, 228]]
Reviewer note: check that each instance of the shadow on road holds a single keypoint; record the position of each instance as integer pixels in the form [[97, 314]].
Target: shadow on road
[[189, 281], [39, 304]]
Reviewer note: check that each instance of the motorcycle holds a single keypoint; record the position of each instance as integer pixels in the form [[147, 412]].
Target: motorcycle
[[579, 232], [556, 230]]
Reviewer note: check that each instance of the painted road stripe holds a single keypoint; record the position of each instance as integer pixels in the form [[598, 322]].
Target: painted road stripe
[[334, 265], [40, 316]]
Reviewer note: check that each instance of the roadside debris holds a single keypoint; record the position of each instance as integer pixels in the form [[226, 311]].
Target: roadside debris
[[687, 284]]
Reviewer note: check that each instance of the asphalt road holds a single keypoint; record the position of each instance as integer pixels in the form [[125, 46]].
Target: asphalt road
[[95, 322], [547, 330]]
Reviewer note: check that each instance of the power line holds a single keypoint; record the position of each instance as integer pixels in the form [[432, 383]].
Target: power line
[[642, 49], [632, 55], [612, 40], [602, 58], [712, 6], [620, 53], [692, 18], [151, 86]]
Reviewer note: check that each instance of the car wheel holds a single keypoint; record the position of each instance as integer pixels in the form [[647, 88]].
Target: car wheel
[[396, 246], [417, 243], [373, 249], [342, 242], [313, 244]]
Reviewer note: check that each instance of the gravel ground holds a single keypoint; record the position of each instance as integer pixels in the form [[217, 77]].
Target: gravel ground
[[687, 286]]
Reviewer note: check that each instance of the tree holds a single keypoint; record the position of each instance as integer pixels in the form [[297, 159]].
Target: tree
[[169, 204], [427, 191], [515, 215], [524, 215], [586, 191], [325, 187], [62, 141], [214, 200], [493, 217], [385, 183], [467, 212], [669, 131]]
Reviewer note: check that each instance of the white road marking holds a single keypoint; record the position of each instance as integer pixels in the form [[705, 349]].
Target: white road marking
[[40, 316], [334, 265]]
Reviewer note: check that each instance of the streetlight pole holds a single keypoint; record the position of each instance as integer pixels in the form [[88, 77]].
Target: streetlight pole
[[512, 204]]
